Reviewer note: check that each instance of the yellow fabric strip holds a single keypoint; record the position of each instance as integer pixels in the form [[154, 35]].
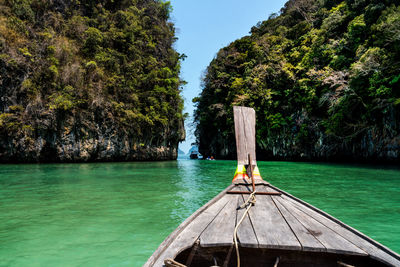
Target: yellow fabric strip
[[241, 172]]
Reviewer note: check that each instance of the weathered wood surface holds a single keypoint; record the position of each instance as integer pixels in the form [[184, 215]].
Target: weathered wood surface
[[191, 233], [270, 227], [244, 188], [245, 133], [370, 246], [257, 181], [187, 232], [246, 235], [276, 222], [219, 231], [279, 222], [305, 237], [331, 241]]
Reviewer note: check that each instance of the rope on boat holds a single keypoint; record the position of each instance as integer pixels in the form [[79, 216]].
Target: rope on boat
[[249, 203]]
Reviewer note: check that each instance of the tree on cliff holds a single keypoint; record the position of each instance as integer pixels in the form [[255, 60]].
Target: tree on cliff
[[90, 80], [323, 77]]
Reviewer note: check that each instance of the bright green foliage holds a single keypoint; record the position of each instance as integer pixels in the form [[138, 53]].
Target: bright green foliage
[[105, 63], [93, 41], [387, 28], [64, 100], [321, 69]]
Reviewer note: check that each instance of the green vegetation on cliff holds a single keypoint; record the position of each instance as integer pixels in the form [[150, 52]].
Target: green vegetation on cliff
[[89, 80], [323, 77]]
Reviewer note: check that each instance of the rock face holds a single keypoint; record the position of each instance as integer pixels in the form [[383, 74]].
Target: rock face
[[67, 149], [373, 144], [90, 81], [84, 151], [324, 81], [85, 141]]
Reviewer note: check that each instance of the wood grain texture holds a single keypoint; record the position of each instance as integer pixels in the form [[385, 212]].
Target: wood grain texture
[[278, 222], [270, 227], [306, 239], [352, 235], [169, 245], [220, 231], [240, 136], [191, 233], [246, 235], [257, 181], [266, 188], [249, 118], [245, 133], [332, 241], [242, 188]]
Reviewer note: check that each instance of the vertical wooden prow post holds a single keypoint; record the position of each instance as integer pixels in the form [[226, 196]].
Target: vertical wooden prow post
[[245, 133]]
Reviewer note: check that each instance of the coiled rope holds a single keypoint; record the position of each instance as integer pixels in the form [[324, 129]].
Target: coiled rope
[[249, 203]]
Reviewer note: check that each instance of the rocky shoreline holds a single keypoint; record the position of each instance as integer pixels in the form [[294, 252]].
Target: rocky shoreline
[[81, 139], [373, 145], [90, 150]]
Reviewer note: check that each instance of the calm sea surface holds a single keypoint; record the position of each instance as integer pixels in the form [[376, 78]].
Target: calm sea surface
[[116, 214]]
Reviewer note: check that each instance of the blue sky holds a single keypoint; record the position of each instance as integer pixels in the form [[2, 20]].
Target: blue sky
[[203, 27]]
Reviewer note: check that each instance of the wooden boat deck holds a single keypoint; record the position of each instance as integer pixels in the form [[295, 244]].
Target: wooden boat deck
[[274, 222], [277, 226]]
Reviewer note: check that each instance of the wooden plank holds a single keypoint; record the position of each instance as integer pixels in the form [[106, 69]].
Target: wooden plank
[[192, 232], [249, 118], [257, 181], [245, 123], [331, 240], [306, 239], [242, 188], [266, 188], [246, 235], [220, 231], [370, 246], [270, 227], [240, 136], [188, 231], [247, 189]]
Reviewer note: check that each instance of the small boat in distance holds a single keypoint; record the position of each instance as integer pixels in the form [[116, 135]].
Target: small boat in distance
[[194, 152], [194, 155], [253, 223]]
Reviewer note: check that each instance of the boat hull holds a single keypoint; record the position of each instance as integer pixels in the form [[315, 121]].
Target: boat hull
[[256, 257], [194, 156], [278, 225]]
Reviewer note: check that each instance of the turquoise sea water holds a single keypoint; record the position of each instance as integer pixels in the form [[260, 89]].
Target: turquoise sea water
[[116, 214]]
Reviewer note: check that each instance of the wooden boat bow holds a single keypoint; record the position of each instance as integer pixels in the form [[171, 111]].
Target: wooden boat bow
[[279, 226]]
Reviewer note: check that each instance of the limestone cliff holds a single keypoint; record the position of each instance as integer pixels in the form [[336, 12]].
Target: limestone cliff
[[88, 81], [323, 78]]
